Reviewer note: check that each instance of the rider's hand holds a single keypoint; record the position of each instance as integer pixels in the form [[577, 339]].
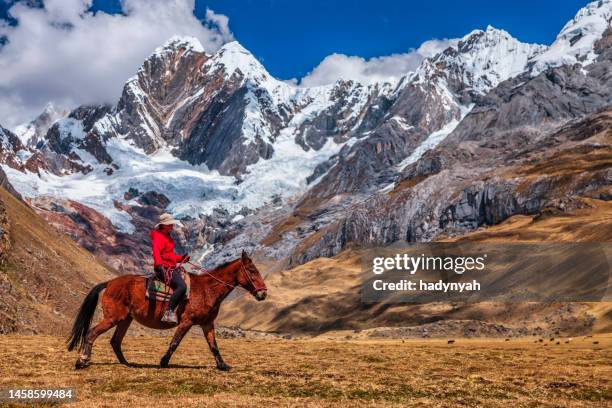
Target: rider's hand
[[158, 269], [185, 258]]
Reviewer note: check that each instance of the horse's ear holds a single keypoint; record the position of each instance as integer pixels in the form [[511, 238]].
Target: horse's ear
[[245, 257]]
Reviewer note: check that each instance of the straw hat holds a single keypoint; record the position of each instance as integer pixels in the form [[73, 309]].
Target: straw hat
[[167, 219]]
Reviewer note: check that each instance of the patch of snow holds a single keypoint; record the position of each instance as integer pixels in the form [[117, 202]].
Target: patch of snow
[[88, 189], [71, 128], [434, 139], [25, 132], [254, 125], [105, 125], [4, 141], [285, 173], [237, 217], [402, 122], [233, 57], [24, 155]]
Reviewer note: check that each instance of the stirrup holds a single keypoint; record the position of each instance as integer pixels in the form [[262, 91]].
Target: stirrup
[[169, 316]]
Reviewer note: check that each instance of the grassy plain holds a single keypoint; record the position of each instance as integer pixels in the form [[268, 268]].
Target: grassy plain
[[322, 372]]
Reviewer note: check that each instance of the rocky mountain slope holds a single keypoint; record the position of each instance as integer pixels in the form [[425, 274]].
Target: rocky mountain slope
[[44, 275], [323, 295], [478, 175], [293, 173]]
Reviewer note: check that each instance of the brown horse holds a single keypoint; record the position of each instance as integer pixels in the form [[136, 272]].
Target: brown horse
[[125, 300]]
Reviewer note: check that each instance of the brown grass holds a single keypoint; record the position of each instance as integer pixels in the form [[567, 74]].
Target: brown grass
[[406, 184], [314, 292], [491, 373], [567, 162], [591, 224]]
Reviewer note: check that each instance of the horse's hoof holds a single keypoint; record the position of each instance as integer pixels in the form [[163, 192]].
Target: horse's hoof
[[80, 364], [224, 367], [164, 363]]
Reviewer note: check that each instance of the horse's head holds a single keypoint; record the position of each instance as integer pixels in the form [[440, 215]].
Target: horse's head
[[250, 279]]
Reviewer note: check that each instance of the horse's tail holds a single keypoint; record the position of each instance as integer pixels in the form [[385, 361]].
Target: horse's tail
[[84, 318]]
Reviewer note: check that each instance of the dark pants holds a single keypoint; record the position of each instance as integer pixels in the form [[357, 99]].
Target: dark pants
[[178, 286]]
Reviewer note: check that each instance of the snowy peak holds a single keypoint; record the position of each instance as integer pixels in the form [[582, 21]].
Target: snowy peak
[[166, 81], [174, 57], [483, 59], [233, 58], [31, 133], [575, 42], [185, 44]]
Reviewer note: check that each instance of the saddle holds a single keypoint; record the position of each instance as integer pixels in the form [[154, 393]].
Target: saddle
[[158, 290]]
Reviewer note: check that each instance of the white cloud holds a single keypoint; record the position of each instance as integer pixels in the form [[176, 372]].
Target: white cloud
[[340, 66], [219, 21], [65, 54]]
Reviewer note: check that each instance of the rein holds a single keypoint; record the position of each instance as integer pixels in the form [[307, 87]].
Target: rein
[[169, 271], [205, 272], [242, 269]]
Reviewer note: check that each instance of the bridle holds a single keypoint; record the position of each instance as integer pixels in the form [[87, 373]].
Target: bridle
[[243, 269]]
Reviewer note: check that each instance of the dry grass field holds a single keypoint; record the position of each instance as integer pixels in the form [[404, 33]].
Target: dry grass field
[[322, 372]]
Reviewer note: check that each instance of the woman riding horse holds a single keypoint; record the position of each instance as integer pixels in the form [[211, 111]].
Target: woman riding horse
[[124, 300], [165, 260]]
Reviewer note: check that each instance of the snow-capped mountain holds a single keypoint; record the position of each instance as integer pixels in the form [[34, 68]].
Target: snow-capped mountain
[[483, 59], [190, 125], [12, 150], [575, 42], [33, 132], [213, 138], [425, 107]]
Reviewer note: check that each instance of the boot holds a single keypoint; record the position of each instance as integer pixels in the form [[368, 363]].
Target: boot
[[170, 316]]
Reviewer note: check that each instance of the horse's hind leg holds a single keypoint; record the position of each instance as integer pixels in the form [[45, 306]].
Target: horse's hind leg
[[120, 330], [209, 333], [181, 331], [105, 325], [113, 314]]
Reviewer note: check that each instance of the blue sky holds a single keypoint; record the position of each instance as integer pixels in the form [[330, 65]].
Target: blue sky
[[65, 55], [292, 37]]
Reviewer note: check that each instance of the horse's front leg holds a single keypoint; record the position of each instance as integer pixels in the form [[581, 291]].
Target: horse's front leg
[[209, 333], [181, 331]]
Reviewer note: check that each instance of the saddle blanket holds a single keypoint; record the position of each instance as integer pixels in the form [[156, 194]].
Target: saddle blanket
[[158, 290]]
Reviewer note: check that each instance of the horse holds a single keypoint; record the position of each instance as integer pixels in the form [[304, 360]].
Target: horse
[[124, 300]]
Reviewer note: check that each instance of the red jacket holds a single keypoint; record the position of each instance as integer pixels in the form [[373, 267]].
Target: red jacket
[[163, 250]]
